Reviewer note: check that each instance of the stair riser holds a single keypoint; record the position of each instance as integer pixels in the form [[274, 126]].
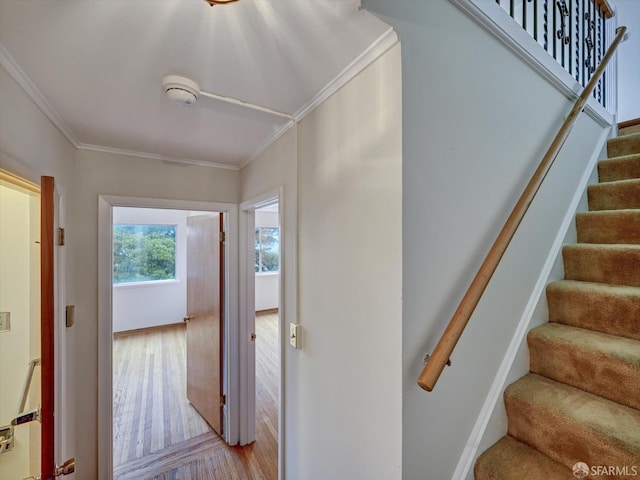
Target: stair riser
[[609, 227], [615, 314], [562, 438], [586, 369], [512, 460], [614, 196], [623, 168], [619, 267], [624, 145]]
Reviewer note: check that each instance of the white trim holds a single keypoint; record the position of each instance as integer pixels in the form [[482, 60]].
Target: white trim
[[154, 156], [383, 43], [268, 142], [470, 451], [492, 17], [380, 46], [105, 288], [21, 78], [247, 317]]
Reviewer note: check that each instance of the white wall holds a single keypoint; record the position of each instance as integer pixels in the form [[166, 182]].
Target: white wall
[[476, 122], [267, 285], [152, 304], [19, 345], [109, 174], [342, 390], [629, 61], [30, 146]]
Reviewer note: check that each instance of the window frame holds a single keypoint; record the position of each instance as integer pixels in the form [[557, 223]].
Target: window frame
[[148, 282], [258, 232]]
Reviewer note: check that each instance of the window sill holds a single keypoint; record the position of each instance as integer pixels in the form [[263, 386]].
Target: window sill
[[150, 283]]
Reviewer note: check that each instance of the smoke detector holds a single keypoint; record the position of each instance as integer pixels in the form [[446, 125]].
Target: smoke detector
[[181, 90]]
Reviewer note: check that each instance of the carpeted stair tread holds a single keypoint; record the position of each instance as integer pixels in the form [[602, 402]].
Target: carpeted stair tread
[[618, 195], [570, 425], [623, 145], [509, 459], [609, 226], [599, 363], [612, 264], [613, 309], [619, 168]]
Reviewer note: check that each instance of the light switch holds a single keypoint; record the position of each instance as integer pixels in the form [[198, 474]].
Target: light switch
[[5, 321], [295, 332]]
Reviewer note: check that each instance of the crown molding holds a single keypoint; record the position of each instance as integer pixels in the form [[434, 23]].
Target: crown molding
[[374, 51], [154, 156], [280, 131], [379, 47], [16, 72]]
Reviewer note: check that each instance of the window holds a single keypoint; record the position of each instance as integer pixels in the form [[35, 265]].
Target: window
[[144, 253], [267, 243]]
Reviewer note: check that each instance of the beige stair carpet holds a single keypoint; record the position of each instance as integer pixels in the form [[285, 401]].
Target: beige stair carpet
[[581, 401]]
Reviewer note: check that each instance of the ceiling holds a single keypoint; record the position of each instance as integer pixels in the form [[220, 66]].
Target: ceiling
[[95, 67]]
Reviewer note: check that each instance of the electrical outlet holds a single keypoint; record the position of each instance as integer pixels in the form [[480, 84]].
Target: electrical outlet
[[295, 332], [5, 321]]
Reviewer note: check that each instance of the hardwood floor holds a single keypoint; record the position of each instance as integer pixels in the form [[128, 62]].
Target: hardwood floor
[[158, 435]]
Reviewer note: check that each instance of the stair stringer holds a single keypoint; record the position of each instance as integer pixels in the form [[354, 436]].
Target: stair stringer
[[491, 423]]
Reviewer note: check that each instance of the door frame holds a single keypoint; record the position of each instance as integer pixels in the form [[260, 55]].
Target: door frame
[[106, 203], [247, 319]]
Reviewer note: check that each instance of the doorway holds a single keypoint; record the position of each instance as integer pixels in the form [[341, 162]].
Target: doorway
[[262, 317], [106, 348], [267, 326], [19, 325], [167, 336]]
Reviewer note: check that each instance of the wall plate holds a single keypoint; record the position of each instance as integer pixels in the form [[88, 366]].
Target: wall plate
[[5, 321]]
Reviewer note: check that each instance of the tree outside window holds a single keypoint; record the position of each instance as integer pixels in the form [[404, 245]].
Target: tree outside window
[[144, 253], [267, 249]]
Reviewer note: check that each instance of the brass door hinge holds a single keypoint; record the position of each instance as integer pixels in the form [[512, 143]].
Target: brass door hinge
[[223, 236], [223, 400], [60, 236]]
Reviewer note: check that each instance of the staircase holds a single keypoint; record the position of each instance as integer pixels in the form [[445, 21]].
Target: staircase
[[581, 400]]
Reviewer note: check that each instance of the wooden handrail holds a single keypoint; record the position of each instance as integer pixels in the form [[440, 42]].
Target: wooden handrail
[[437, 361]]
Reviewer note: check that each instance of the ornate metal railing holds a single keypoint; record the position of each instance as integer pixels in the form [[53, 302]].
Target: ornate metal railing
[[576, 34]]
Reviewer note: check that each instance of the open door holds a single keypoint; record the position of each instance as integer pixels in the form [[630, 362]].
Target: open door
[[47, 331], [204, 325]]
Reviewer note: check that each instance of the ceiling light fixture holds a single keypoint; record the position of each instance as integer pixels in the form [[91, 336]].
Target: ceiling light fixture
[[185, 91], [219, 2]]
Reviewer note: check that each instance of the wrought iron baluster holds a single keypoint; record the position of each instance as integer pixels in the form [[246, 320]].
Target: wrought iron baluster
[[535, 20], [562, 35], [545, 20], [555, 20], [599, 18], [589, 27], [569, 37], [577, 71]]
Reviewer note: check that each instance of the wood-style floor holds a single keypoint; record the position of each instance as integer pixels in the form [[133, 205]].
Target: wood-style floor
[[158, 435]]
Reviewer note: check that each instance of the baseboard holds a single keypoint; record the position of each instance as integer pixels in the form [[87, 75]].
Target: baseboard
[[154, 329]]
